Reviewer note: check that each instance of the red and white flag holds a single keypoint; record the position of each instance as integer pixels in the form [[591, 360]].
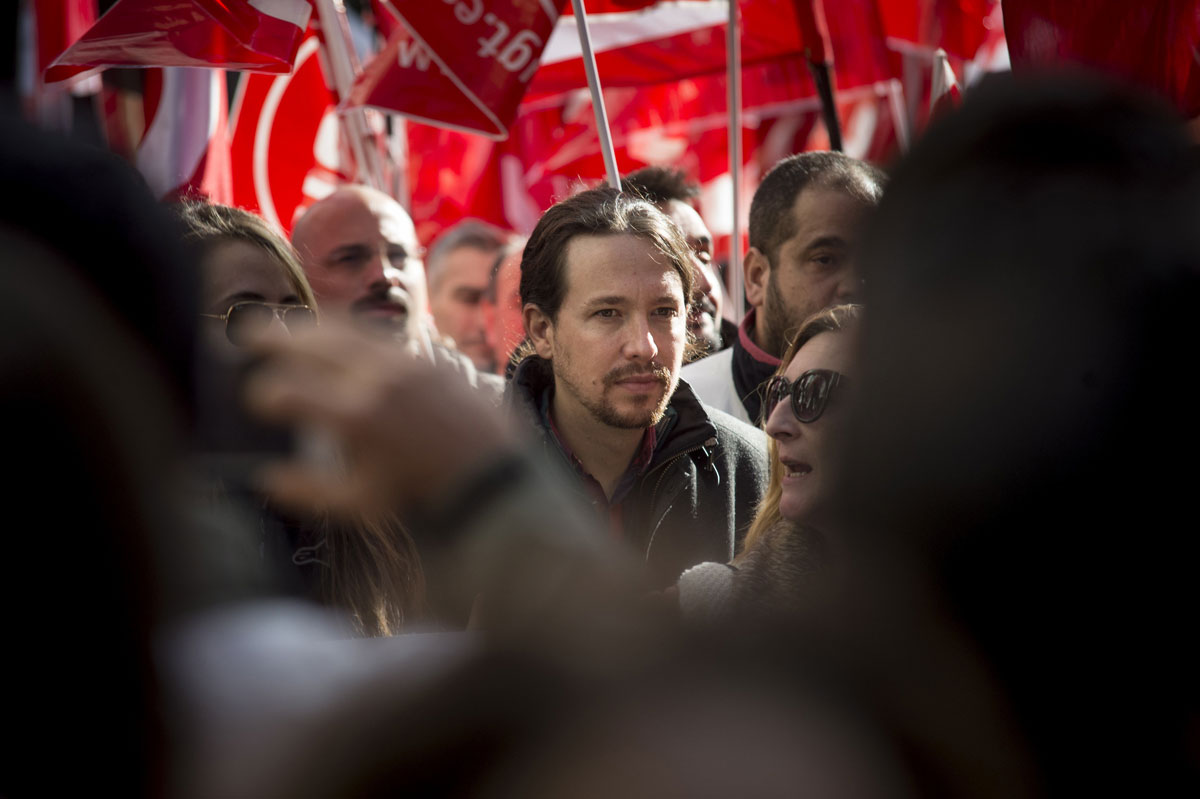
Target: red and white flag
[[461, 64], [256, 35], [185, 149], [944, 94], [674, 39], [284, 139]]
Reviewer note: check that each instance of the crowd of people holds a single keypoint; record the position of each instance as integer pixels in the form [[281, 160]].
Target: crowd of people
[[335, 516]]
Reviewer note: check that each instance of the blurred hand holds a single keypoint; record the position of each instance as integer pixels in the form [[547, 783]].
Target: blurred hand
[[404, 431]]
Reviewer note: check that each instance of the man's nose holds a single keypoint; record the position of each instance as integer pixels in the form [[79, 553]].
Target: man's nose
[[640, 341], [384, 271], [702, 284], [849, 286]]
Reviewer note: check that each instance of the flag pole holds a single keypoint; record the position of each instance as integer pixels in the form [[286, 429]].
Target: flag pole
[[733, 46], [343, 64], [593, 79], [824, 82]]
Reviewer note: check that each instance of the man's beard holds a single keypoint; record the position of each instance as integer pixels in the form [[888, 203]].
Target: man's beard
[[706, 339], [606, 412], [781, 320]]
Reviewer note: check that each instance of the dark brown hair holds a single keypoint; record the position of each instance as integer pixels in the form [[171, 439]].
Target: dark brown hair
[[601, 211], [771, 221], [660, 185]]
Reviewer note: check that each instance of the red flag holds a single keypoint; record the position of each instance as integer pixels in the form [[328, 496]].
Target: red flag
[[185, 149], [484, 56], [673, 40], [59, 23], [257, 35], [284, 142], [1152, 43]]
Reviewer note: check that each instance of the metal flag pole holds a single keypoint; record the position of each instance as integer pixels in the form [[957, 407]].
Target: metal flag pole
[[343, 65], [593, 79], [733, 46]]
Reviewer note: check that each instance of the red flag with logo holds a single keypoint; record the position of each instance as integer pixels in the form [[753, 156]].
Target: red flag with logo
[[258, 35], [284, 142], [459, 63]]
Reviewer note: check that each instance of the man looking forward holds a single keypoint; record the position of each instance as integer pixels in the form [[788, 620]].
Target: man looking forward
[[606, 280], [804, 222]]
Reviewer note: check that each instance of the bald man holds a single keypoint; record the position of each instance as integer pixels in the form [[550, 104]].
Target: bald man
[[359, 249]]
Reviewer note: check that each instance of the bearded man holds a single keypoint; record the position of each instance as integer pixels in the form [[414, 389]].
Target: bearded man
[[804, 222], [606, 285]]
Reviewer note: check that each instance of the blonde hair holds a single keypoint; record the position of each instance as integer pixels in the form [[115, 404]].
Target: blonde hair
[[374, 573], [211, 223], [830, 320]]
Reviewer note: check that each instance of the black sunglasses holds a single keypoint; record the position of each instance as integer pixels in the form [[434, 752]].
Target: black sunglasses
[[246, 320], [810, 393]]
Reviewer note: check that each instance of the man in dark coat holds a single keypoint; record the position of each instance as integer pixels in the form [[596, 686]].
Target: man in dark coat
[[606, 281]]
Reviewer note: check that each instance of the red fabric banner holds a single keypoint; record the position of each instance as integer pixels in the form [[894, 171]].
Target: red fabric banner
[[59, 23], [667, 41], [459, 63], [185, 148], [960, 27], [1152, 43], [284, 140], [256, 35]]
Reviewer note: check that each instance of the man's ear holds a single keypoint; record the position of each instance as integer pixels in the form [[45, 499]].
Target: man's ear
[[758, 274], [539, 328]]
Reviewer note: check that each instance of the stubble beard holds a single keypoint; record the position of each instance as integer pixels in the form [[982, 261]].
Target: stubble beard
[[781, 320], [606, 411]]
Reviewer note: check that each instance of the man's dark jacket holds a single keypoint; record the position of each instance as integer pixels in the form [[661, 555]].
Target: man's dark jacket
[[695, 499]]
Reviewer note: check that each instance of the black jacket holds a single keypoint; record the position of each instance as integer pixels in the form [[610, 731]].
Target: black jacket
[[695, 499]]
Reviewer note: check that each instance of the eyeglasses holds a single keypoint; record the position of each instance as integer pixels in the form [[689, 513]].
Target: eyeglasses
[[810, 393], [244, 321]]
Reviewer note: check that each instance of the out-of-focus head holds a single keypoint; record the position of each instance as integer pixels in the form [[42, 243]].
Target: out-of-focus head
[[1032, 280], [606, 280], [248, 271], [674, 194], [459, 268], [505, 322], [359, 249], [805, 417], [804, 228]]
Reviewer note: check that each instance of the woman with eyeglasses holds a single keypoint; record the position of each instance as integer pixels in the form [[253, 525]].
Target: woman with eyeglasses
[[252, 281], [253, 287], [803, 413]]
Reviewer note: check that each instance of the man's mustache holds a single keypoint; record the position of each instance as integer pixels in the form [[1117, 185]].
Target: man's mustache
[[703, 304], [660, 373]]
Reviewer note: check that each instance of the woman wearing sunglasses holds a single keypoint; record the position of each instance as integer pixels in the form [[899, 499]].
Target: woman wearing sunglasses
[[801, 415], [254, 287], [803, 411]]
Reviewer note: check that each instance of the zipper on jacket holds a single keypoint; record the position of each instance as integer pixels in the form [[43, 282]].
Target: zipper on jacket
[[712, 442]]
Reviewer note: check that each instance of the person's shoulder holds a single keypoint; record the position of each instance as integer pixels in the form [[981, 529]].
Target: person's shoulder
[[731, 429], [488, 385]]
